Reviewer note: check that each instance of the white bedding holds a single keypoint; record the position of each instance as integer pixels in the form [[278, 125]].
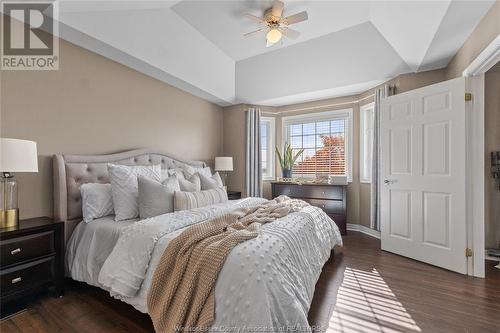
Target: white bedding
[[90, 245], [265, 282]]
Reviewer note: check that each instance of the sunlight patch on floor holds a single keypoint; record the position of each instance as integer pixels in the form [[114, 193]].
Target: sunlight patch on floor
[[365, 303]]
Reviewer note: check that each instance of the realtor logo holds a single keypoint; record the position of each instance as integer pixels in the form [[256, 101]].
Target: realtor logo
[[28, 30]]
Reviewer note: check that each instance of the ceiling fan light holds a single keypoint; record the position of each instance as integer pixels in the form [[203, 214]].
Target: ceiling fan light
[[273, 36]]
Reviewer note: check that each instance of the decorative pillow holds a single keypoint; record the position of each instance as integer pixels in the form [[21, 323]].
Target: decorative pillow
[[212, 182], [156, 198], [96, 201], [193, 184], [189, 171], [165, 173], [124, 187], [190, 200]]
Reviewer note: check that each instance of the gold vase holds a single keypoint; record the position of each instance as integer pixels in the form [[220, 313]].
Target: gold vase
[[9, 218]]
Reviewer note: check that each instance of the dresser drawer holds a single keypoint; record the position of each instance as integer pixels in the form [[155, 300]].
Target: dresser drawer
[[309, 191], [27, 276], [19, 249], [329, 206], [282, 189], [322, 192]]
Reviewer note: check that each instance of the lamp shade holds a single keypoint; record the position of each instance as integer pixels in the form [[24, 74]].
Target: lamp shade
[[223, 163], [18, 155]]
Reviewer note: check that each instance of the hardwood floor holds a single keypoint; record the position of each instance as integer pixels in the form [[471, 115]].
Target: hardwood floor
[[362, 289]]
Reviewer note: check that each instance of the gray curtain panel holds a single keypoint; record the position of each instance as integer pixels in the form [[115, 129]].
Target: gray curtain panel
[[375, 186], [253, 170]]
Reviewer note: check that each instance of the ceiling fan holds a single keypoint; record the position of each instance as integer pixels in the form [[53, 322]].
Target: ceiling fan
[[276, 26]]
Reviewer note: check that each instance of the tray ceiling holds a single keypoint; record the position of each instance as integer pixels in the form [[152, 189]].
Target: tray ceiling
[[344, 47]]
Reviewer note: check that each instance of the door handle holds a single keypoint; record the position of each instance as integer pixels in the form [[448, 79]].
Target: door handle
[[389, 181]]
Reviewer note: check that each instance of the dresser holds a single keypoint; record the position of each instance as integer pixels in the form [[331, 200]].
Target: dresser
[[31, 258], [330, 198]]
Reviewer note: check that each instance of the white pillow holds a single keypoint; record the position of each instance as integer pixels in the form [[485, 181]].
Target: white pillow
[[191, 200], [165, 173], [124, 187], [212, 182], [96, 201], [189, 171], [193, 184]]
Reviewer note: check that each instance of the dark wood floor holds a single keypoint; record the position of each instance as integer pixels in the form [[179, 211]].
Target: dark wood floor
[[362, 289]]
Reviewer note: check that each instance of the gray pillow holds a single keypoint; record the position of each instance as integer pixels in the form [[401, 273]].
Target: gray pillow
[[210, 183], [156, 198], [191, 200], [193, 184]]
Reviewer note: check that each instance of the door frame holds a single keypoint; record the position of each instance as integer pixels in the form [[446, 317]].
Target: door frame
[[475, 111]]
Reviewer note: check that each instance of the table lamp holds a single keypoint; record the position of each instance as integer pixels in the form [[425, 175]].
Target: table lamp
[[224, 164], [15, 156]]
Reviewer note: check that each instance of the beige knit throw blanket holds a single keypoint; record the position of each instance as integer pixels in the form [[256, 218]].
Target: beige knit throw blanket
[[181, 297]]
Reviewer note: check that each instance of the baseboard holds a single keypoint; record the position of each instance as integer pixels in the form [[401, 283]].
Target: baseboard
[[487, 257], [364, 230]]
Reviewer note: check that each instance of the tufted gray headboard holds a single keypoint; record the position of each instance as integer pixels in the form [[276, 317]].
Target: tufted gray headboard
[[71, 171]]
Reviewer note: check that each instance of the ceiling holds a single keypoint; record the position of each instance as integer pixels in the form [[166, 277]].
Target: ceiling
[[223, 22], [344, 48]]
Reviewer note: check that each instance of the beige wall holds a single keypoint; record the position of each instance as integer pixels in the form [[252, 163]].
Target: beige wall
[[485, 32], [93, 105], [492, 143]]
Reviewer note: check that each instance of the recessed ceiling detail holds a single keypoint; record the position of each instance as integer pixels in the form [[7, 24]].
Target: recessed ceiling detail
[[343, 46]]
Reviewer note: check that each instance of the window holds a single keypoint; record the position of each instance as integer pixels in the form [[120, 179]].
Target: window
[[267, 147], [366, 143], [326, 138]]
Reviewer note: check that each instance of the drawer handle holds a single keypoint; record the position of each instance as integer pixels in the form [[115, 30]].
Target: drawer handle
[[16, 280], [15, 251]]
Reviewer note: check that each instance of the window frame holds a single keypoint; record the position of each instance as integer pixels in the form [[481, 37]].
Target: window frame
[[271, 156], [370, 107], [321, 116]]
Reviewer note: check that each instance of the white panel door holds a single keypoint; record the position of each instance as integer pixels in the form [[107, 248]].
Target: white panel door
[[423, 150]]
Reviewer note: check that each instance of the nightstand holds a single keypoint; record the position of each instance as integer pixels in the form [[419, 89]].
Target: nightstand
[[31, 259], [233, 195]]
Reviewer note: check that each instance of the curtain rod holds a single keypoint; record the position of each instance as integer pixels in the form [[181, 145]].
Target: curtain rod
[[323, 106]]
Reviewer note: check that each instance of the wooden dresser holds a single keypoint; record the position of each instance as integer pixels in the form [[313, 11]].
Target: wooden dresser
[[331, 198], [32, 258]]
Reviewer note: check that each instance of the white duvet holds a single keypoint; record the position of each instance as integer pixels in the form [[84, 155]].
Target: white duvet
[[266, 284]]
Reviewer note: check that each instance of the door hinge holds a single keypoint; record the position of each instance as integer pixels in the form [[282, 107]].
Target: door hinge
[[468, 97], [469, 252]]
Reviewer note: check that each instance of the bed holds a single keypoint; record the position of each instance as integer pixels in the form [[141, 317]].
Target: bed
[[266, 283]]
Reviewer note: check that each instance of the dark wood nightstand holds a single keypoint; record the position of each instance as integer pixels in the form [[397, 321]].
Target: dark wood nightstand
[[233, 195], [31, 259]]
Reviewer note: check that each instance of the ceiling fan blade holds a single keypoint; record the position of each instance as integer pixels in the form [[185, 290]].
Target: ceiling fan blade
[[295, 18], [277, 8], [290, 33], [254, 18], [252, 33]]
